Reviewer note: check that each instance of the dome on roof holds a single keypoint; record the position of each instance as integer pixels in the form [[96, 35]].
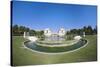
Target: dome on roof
[[47, 32], [61, 32]]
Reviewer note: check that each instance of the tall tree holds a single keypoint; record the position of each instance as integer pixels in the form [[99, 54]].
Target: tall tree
[[95, 30], [32, 32], [90, 30]]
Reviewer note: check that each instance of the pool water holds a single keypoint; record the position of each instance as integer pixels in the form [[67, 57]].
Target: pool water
[[34, 46]]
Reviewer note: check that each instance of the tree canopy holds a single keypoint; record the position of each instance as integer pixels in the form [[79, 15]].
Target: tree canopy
[[19, 30]]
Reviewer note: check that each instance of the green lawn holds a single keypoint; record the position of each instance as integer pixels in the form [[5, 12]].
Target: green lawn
[[22, 56]]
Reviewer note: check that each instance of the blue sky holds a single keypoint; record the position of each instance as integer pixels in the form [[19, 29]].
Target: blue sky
[[38, 16]]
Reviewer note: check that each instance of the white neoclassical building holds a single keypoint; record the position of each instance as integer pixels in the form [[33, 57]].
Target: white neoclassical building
[[61, 32], [54, 36], [47, 32]]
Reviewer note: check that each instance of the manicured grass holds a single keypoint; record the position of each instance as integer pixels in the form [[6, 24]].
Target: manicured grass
[[22, 56]]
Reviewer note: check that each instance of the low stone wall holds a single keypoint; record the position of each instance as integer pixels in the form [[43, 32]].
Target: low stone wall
[[56, 44]]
